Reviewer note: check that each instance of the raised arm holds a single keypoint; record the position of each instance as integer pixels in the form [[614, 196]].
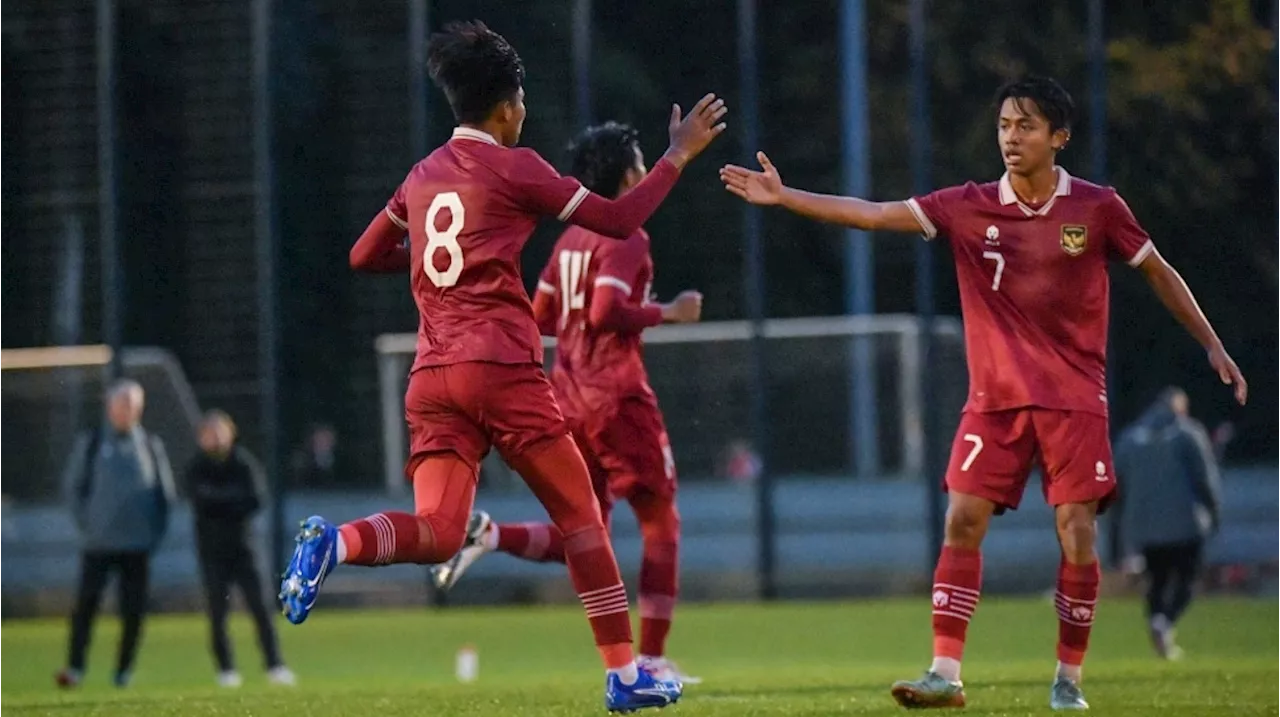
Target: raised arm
[[546, 192], [765, 188]]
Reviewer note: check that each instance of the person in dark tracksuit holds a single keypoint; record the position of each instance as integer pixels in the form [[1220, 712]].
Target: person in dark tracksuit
[[225, 483], [119, 484], [1170, 502]]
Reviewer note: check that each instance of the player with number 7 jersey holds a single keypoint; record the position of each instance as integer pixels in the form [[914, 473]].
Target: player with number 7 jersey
[[1031, 253], [477, 381]]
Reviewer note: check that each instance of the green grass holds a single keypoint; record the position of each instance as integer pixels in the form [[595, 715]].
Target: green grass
[[786, 659]]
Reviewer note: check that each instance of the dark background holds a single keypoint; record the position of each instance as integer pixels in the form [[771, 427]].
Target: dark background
[[1192, 137]]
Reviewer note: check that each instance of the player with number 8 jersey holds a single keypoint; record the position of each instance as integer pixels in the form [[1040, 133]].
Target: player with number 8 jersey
[[477, 381], [1031, 254], [594, 296]]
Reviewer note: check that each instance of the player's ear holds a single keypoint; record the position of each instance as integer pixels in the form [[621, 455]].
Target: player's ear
[[1059, 139]]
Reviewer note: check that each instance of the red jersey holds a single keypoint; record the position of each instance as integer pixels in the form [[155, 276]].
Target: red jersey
[[599, 365], [1034, 289], [469, 208]]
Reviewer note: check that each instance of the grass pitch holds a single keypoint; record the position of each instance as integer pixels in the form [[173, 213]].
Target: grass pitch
[[784, 659]]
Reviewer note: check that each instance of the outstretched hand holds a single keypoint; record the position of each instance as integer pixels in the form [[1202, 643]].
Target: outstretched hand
[[1229, 373], [763, 187], [692, 133]]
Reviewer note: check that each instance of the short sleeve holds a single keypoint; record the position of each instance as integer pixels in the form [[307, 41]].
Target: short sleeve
[[398, 209], [936, 212], [1126, 239], [621, 264], [549, 279], [540, 189]]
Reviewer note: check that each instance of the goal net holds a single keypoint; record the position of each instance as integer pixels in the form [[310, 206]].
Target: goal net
[[51, 394], [842, 393]]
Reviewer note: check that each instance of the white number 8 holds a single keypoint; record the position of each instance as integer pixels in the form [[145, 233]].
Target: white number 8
[[447, 239]]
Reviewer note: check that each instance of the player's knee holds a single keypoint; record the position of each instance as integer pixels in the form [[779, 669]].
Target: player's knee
[[1077, 532], [578, 517], [966, 525], [447, 537], [662, 527]]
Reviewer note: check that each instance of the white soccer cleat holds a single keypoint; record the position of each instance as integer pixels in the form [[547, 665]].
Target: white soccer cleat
[[476, 545], [664, 669], [229, 679], [282, 676]]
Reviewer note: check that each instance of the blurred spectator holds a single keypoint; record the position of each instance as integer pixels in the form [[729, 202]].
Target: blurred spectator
[[1169, 507], [316, 464], [226, 485], [119, 483]]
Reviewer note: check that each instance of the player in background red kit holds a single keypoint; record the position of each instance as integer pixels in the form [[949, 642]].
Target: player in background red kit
[[477, 379], [1031, 255], [594, 297]]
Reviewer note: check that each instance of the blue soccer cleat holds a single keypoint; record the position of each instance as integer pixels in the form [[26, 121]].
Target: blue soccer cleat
[[313, 560], [647, 692]]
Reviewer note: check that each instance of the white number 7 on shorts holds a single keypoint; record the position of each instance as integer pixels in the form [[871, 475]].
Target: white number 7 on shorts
[[977, 448]]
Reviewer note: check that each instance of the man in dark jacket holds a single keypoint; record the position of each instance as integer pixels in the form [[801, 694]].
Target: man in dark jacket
[[226, 487], [119, 484], [1169, 506]]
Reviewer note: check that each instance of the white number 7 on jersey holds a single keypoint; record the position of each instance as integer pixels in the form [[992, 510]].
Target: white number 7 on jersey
[[999, 260], [976, 440]]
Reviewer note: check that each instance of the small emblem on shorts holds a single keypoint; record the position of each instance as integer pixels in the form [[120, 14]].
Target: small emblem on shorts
[[1074, 238], [1101, 469], [993, 235]]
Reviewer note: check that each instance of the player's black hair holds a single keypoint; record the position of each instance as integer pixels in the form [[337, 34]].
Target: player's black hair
[[601, 155], [475, 67], [1053, 101]]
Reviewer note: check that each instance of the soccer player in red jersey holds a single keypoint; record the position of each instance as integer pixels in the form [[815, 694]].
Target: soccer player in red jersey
[[477, 380], [1030, 251], [594, 297]]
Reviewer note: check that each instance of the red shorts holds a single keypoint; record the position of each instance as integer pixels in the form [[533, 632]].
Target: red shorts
[[993, 454], [628, 450], [466, 408]]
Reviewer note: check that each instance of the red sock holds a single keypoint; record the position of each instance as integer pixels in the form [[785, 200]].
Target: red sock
[[385, 538], [443, 491], [558, 476], [957, 585], [541, 542], [659, 571], [1076, 600]]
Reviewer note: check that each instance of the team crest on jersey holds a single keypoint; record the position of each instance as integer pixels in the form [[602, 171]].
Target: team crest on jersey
[[1074, 238]]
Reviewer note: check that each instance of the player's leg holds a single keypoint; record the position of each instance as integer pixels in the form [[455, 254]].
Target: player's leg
[[444, 489], [446, 448], [636, 457], [540, 542], [527, 427], [987, 472], [659, 521], [1079, 483], [558, 477]]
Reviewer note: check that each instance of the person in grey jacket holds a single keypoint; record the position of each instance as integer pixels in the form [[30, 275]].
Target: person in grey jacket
[[1169, 506], [120, 485]]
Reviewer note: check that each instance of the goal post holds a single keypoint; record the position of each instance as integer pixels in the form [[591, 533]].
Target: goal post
[[698, 371], [50, 394]]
